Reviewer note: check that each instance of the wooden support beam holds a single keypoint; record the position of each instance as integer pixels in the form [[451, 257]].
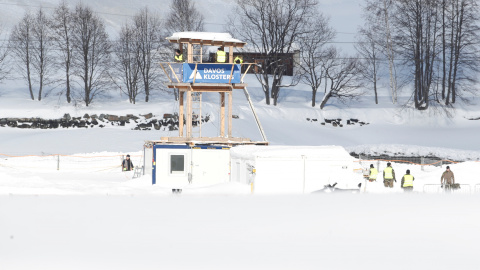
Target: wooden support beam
[[173, 71], [180, 114], [166, 73], [230, 54], [230, 101], [222, 114], [190, 53], [189, 114], [246, 71]]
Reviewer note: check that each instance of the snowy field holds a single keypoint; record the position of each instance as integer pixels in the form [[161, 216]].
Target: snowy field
[[65, 204], [239, 232]]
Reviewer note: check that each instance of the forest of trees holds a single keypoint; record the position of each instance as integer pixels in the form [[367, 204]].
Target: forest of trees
[[69, 50], [427, 48]]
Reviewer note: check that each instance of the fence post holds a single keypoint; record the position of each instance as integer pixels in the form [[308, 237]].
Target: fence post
[[422, 161], [58, 162]]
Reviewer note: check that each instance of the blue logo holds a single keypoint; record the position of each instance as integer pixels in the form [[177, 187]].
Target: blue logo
[[212, 73]]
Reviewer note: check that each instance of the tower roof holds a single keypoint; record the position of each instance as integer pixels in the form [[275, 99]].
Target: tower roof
[[206, 38]]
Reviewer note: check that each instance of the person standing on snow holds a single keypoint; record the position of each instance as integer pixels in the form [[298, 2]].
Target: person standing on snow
[[127, 164], [389, 176], [447, 179], [373, 174], [407, 181]]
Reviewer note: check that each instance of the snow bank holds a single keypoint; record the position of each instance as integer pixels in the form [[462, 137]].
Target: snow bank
[[414, 151]]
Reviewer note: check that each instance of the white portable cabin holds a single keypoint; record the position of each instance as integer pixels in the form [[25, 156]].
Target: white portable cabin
[[177, 166], [292, 169]]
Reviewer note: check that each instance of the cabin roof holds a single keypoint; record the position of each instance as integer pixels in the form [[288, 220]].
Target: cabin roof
[[325, 152]]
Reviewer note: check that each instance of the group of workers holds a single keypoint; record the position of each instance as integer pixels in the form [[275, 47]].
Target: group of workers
[[447, 180], [220, 56]]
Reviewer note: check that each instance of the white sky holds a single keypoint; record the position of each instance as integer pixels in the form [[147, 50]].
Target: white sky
[[345, 15]]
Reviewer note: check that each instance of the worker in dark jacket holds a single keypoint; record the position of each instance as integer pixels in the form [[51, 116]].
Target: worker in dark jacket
[[407, 181], [447, 179], [127, 164]]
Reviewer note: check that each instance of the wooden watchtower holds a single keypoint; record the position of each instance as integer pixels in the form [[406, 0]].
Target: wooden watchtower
[[194, 77]]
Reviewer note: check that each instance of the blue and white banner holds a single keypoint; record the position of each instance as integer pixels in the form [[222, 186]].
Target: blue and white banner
[[212, 73]]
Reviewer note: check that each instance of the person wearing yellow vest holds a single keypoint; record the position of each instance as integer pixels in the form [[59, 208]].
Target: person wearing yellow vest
[[407, 181], [389, 176], [178, 56], [373, 174], [221, 55], [238, 60]]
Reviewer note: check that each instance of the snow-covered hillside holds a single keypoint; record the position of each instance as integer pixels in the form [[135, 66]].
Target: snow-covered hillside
[[285, 124]]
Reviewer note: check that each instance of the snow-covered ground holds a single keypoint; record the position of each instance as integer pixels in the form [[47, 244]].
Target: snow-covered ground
[[65, 204], [89, 214], [239, 232]]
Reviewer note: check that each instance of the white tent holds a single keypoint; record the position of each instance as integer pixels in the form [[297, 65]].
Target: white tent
[[292, 169]]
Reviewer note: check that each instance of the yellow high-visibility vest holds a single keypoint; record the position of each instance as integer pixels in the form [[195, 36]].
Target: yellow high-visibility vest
[[408, 180], [179, 58], [373, 173], [221, 56], [240, 60], [388, 173]]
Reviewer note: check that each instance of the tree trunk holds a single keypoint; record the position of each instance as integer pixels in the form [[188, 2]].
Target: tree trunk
[[314, 96], [444, 49], [325, 100]]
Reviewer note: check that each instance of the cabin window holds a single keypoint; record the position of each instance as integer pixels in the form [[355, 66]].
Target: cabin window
[[177, 164]]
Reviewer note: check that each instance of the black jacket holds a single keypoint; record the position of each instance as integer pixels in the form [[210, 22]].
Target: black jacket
[[127, 164]]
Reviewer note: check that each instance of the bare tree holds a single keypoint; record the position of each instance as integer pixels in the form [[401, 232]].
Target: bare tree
[[31, 46], [62, 28], [91, 52], [344, 76], [5, 67], [462, 48], [378, 29], [183, 17], [418, 24], [272, 27], [371, 53], [438, 43], [312, 54], [21, 39], [42, 60], [127, 50], [149, 30]]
